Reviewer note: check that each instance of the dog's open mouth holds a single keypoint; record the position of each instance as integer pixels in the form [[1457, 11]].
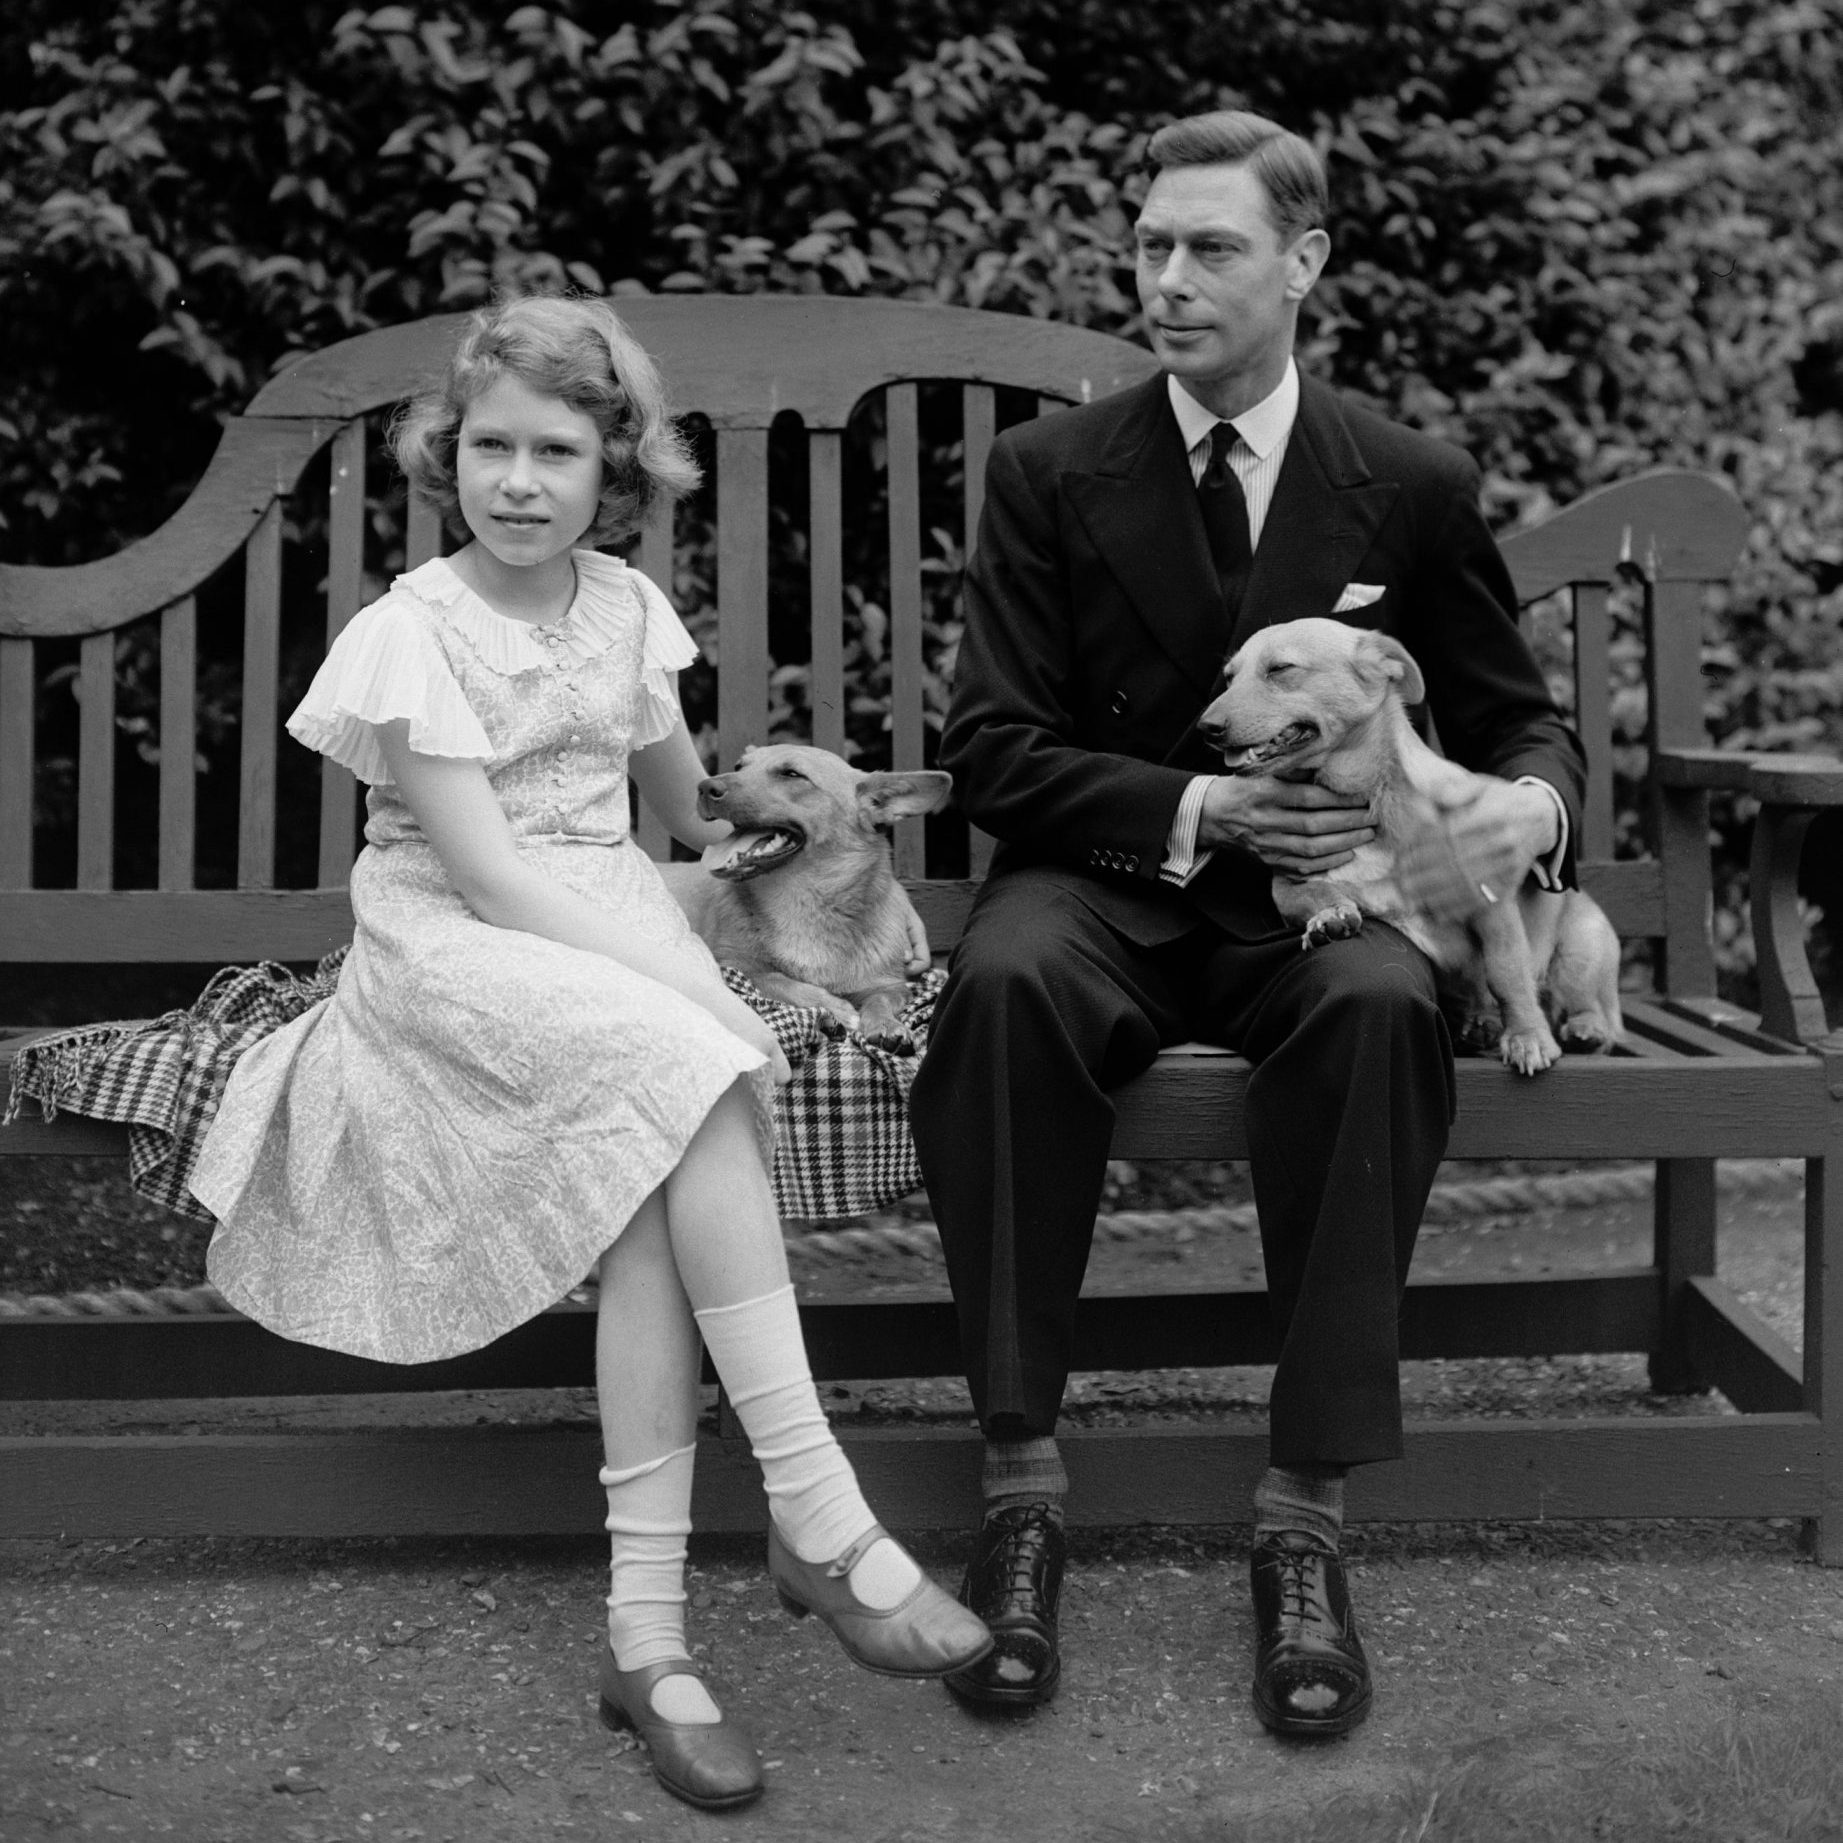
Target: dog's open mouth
[[1253, 757], [748, 853]]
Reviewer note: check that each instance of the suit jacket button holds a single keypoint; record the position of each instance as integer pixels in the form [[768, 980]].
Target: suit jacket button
[[1132, 862], [1118, 706]]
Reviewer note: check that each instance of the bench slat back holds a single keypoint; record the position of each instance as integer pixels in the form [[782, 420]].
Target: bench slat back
[[179, 718], [897, 405], [17, 726], [96, 761]]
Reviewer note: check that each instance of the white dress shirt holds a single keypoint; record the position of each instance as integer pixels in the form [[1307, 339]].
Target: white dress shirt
[[1257, 456]]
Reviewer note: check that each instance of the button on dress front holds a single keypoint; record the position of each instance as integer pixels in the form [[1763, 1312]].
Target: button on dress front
[[446, 1145]]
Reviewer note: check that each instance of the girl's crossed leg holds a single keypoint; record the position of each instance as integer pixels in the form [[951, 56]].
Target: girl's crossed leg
[[702, 1263]]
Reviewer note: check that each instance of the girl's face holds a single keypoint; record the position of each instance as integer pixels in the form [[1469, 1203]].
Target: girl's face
[[529, 472]]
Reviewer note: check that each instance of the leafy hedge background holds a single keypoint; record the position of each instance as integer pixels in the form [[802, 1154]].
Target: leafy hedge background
[[1575, 236]]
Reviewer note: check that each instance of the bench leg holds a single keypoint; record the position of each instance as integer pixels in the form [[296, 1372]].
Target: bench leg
[[1683, 1244], [1823, 1533]]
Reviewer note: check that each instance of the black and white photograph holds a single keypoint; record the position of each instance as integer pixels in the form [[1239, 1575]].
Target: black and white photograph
[[920, 921]]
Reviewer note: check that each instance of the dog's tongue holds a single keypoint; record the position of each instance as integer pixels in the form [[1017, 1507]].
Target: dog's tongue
[[727, 852]]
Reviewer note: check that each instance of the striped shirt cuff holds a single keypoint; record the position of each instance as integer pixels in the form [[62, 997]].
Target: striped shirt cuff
[[1547, 870], [1182, 858]]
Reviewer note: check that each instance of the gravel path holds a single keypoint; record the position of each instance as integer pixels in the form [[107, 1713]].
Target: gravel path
[[444, 1691]]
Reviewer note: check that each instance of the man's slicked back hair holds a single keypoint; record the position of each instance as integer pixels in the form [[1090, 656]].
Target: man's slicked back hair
[[1287, 166]]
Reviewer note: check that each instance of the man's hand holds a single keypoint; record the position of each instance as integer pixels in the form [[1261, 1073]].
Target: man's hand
[[1294, 826], [1478, 850]]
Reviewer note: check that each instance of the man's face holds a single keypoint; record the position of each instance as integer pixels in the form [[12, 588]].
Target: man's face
[[1220, 287]]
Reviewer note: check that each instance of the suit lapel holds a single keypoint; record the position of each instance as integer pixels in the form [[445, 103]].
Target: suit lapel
[[1139, 508], [1324, 516]]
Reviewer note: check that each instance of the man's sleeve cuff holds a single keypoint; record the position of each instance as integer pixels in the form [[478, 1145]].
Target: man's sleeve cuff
[[1548, 867], [1182, 858]]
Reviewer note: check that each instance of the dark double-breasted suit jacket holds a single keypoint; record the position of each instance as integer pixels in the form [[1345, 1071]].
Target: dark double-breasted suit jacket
[[1096, 635]]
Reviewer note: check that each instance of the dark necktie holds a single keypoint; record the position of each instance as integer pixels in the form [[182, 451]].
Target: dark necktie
[[1225, 519]]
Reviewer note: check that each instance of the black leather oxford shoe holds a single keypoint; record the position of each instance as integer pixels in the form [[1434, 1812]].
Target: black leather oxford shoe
[[1013, 1583], [1310, 1674]]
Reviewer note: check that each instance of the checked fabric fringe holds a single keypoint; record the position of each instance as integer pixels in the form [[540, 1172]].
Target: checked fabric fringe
[[842, 1145], [163, 1078]]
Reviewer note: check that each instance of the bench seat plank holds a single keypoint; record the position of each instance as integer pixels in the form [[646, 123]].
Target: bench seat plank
[[1611, 1107], [1661, 1105]]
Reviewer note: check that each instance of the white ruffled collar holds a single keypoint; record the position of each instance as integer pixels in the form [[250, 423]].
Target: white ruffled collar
[[608, 595]]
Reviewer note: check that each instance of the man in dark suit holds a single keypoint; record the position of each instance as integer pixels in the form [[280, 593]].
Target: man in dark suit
[[1126, 548]]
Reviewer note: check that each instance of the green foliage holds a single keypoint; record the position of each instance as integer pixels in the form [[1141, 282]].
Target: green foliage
[[1576, 237]]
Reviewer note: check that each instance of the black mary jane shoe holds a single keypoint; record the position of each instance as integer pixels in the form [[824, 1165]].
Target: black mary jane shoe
[[1013, 1583], [1310, 1675], [712, 1765]]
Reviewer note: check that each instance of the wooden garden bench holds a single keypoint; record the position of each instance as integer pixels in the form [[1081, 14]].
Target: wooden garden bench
[[854, 403]]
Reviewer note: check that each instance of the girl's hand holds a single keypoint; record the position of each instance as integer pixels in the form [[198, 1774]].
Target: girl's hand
[[919, 957]]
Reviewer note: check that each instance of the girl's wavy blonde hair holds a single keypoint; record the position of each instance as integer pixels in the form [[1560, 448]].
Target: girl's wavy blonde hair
[[565, 346]]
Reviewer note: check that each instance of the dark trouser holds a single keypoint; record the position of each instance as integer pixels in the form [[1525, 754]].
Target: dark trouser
[[1349, 1106]]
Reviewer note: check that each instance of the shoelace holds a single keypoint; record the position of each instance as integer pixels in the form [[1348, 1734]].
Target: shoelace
[[1024, 1542], [1295, 1599]]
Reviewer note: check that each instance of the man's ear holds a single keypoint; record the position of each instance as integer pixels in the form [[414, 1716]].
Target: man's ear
[[1379, 658], [1305, 263], [890, 796]]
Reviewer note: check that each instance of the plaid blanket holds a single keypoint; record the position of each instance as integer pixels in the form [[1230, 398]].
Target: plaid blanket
[[841, 1138], [842, 1142]]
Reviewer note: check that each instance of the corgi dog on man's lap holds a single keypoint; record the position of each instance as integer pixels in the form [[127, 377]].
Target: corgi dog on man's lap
[[1324, 701]]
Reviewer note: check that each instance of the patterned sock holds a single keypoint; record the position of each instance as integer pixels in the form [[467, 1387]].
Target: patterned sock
[[1027, 1471], [813, 1493], [649, 1517], [1305, 1499]]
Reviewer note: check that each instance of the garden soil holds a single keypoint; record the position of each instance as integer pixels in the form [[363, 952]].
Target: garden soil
[[318, 1692]]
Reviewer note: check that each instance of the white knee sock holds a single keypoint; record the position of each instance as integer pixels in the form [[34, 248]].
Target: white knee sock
[[649, 1517], [813, 1494]]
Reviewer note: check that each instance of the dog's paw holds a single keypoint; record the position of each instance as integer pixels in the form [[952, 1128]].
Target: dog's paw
[[1586, 1033], [892, 1037], [1529, 1052], [1336, 923], [1479, 1033]]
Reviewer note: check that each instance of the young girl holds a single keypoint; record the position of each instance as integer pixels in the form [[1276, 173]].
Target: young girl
[[531, 1063]]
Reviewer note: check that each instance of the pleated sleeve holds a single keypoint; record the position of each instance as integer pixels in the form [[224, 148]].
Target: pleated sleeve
[[387, 665], [667, 648]]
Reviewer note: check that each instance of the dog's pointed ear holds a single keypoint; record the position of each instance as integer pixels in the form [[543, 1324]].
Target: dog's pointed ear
[[885, 797], [1379, 658]]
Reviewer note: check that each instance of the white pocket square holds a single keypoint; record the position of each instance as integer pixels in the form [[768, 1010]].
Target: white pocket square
[[1357, 595]]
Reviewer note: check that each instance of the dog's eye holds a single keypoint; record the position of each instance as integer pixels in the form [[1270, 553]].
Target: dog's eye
[[1278, 668], [788, 773]]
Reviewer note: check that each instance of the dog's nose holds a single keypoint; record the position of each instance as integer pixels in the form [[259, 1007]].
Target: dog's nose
[[710, 796]]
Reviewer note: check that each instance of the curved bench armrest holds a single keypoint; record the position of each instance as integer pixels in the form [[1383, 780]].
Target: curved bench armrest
[[1791, 793], [1777, 780], [1792, 790]]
